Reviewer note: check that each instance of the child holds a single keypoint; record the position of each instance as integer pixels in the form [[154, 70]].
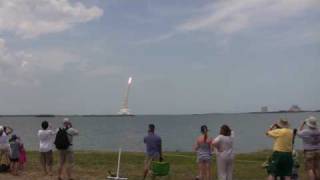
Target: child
[[22, 156], [14, 155]]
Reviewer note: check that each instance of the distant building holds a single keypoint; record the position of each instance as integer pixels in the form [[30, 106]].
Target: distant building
[[264, 109], [294, 108]]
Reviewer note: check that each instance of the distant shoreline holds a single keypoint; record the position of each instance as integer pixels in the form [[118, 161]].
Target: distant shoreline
[[116, 115]]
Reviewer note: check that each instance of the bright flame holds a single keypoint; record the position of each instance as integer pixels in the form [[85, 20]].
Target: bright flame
[[130, 80], [24, 63]]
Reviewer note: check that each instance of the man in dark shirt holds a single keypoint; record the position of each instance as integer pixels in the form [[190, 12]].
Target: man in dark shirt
[[153, 149]]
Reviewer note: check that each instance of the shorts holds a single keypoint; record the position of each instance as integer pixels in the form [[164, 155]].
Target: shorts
[[204, 159], [312, 159], [14, 159], [281, 164], [66, 157], [149, 159], [46, 158]]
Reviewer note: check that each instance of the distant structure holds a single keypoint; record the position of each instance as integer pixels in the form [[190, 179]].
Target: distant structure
[[295, 108], [264, 109], [125, 109]]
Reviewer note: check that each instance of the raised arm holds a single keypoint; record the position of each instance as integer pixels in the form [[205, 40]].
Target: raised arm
[[272, 127], [302, 126], [8, 130], [196, 145]]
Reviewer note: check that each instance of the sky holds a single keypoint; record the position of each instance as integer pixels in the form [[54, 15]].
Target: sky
[[208, 56]]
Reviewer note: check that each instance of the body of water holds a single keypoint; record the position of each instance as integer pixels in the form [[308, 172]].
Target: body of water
[[178, 132]]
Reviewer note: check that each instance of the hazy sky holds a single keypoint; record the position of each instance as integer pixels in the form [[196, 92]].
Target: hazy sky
[[186, 56]]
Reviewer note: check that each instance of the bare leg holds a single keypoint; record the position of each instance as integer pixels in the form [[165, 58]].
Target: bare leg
[[69, 171], [311, 175], [62, 163], [208, 171], [316, 173], [270, 177], [60, 170], [201, 171], [43, 164], [145, 173], [50, 170]]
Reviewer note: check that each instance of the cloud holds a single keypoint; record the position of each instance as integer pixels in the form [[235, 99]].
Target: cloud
[[31, 18], [155, 39], [231, 16], [14, 68]]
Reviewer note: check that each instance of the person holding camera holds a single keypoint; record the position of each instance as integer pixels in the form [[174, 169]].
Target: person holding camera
[[64, 143], [310, 135], [281, 159]]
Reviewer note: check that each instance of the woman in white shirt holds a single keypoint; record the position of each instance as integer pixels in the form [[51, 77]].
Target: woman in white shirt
[[223, 144], [46, 137]]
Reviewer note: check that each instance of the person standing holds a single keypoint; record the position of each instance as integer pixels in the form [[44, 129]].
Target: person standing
[[310, 135], [204, 153], [153, 149], [281, 159], [4, 142], [223, 144], [14, 154], [46, 137], [64, 143]]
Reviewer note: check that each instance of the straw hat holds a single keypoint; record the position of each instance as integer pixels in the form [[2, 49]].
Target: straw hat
[[283, 123], [311, 122]]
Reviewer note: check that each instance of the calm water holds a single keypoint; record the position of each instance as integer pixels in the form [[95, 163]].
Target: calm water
[[178, 132]]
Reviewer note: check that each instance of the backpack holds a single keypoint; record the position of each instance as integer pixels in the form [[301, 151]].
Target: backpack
[[62, 141]]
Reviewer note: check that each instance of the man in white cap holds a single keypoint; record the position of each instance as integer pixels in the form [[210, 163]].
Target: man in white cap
[[310, 135], [66, 154]]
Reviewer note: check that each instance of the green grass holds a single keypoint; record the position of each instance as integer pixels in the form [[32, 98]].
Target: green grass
[[95, 164]]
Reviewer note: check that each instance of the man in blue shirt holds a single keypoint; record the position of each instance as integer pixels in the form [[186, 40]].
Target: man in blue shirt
[[153, 149]]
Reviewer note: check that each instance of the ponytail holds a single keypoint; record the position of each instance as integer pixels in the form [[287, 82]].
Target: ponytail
[[205, 137]]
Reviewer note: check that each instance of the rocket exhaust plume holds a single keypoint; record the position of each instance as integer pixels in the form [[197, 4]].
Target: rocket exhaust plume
[[130, 80], [124, 109]]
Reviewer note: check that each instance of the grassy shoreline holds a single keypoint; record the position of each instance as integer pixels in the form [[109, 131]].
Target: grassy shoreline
[[95, 164]]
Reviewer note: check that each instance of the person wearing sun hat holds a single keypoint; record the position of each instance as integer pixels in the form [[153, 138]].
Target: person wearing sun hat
[[281, 160], [310, 135], [67, 155]]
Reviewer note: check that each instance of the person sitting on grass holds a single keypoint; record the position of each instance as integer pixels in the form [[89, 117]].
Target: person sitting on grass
[[281, 160], [14, 154], [204, 152], [310, 135], [153, 149], [46, 138]]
